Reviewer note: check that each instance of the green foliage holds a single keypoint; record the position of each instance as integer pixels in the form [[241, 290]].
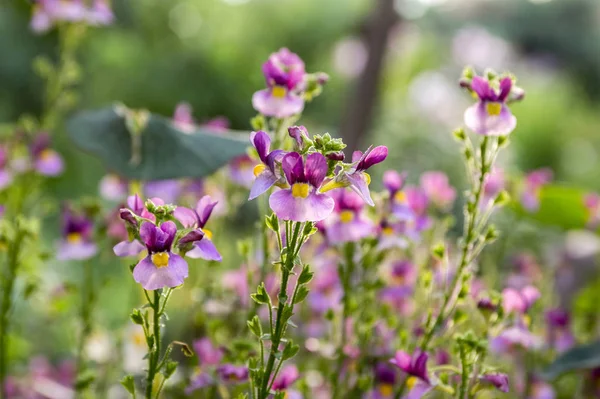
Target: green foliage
[[578, 358]]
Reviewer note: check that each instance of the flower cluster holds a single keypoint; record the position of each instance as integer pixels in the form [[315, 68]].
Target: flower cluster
[[48, 13]]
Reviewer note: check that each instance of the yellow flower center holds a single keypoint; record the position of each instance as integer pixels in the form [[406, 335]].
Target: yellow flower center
[[73, 238], [47, 153], [279, 91], [388, 231], [411, 381], [493, 109], [400, 196], [300, 190], [258, 169], [367, 178], [160, 259], [386, 389], [208, 234], [330, 185], [346, 216]]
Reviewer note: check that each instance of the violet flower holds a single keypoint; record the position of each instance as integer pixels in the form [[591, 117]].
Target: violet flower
[[168, 190], [286, 378], [534, 181], [47, 13], [76, 242], [438, 189], [592, 205], [241, 171], [232, 373], [559, 332], [113, 187], [183, 119], [100, 13], [515, 337], [46, 161], [519, 301], [493, 185], [161, 268], [266, 175], [490, 116], [415, 365], [302, 202], [385, 382], [198, 217], [284, 73], [137, 207], [208, 354], [498, 380], [346, 223]]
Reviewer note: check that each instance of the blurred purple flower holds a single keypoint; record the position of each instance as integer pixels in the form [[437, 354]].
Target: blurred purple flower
[[519, 301], [592, 205], [490, 116], [559, 335], [533, 183], [232, 373], [113, 187], [6, 176], [498, 380], [517, 336], [76, 242], [46, 161], [438, 190], [414, 366], [494, 184], [286, 378], [169, 190], [346, 223], [208, 354], [198, 217], [48, 13]]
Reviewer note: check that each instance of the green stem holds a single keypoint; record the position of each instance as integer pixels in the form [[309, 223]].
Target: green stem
[[469, 237], [154, 355], [7, 294], [286, 267], [464, 375], [87, 304]]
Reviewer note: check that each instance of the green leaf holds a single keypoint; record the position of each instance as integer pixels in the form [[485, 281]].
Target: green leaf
[[165, 152], [577, 358], [561, 206], [302, 294], [129, 384], [306, 275], [290, 350], [170, 368], [255, 327], [136, 317]]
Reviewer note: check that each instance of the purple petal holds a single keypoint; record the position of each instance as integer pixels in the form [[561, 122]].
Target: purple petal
[[49, 163], [393, 180], [5, 178], [354, 231], [262, 143], [402, 360], [76, 251], [315, 169], [166, 240], [499, 380], [128, 248], [262, 183], [505, 87], [204, 208], [135, 203], [153, 278], [40, 21], [186, 216], [100, 14], [373, 157], [279, 107], [293, 167], [205, 249], [167, 190], [418, 391], [358, 183], [482, 88], [113, 188], [148, 234], [313, 208], [478, 120]]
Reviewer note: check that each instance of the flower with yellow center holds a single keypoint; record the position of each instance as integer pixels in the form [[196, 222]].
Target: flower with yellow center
[[279, 92], [258, 169], [346, 216], [46, 154], [207, 234], [411, 382], [388, 231], [74, 238], [160, 259], [400, 196], [300, 190], [386, 390], [493, 109]]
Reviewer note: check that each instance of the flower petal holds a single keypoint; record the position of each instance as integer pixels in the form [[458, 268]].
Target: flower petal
[[153, 278], [262, 142], [50, 163], [128, 248], [205, 249], [478, 120], [313, 208], [186, 216], [204, 208], [148, 234], [76, 251], [262, 183], [373, 157], [402, 360], [358, 183], [293, 167], [482, 88], [267, 104], [315, 169]]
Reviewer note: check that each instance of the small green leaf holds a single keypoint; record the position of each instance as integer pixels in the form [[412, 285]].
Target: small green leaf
[[255, 327], [306, 275], [302, 294], [129, 384], [290, 350], [581, 357], [136, 317], [170, 368]]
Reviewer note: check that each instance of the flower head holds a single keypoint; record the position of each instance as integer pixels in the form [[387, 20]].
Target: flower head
[[559, 332], [519, 301], [48, 13], [498, 380], [208, 354], [346, 223], [113, 187], [414, 366], [161, 267], [437, 188], [490, 116], [302, 201], [288, 376], [46, 161], [198, 217], [284, 74], [232, 373], [266, 173], [533, 184], [76, 242]]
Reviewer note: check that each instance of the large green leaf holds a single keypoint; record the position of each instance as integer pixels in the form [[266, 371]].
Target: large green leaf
[[561, 206], [578, 358], [164, 151]]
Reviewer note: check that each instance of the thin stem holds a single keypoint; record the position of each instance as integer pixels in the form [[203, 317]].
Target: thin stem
[[7, 289], [154, 355], [464, 375], [87, 304]]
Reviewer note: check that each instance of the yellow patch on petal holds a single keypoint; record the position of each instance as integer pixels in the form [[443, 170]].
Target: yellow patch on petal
[[208, 234], [160, 259], [73, 238], [279, 91], [46, 154], [411, 382], [493, 109], [386, 389], [367, 178], [300, 190], [527, 320], [258, 169], [400, 196], [388, 231], [330, 185], [346, 216]]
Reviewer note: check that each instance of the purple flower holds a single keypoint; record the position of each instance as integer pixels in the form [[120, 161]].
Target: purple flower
[[232, 373], [266, 175], [357, 178], [298, 133], [519, 301], [198, 217], [284, 73], [241, 171], [494, 184], [208, 354], [490, 116], [200, 380], [288, 376], [559, 331], [414, 366], [498, 380], [437, 188], [47, 13], [534, 181], [137, 207], [161, 268], [517, 336], [385, 380], [113, 187], [326, 291], [393, 181], [302, 202], [183, 119], [45, 160], [169, 190], [76, 242], [6, 177], [100, 13], [347, 224]]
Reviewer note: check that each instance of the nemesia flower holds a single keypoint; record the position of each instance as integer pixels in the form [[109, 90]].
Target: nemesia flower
[[168, 190], [559, 332], [137, 207], [284, 73], [161, 268], [326, 290], [437, 189], [241, 171], [346, 223], [493, 185], [6, 177], [514, 337], [232, 373], [539, 389], [490, 116], [200, 380], [390, 236], [46, 161], [47, 13], [519, 301], [533, 183], [285, 379], [266, 175], [385, 382], [100, 13], [76, 242], [498, 380], [208, 354], [198, 217], [302, 202], [393, 181], [113, 187], [415, 366]]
